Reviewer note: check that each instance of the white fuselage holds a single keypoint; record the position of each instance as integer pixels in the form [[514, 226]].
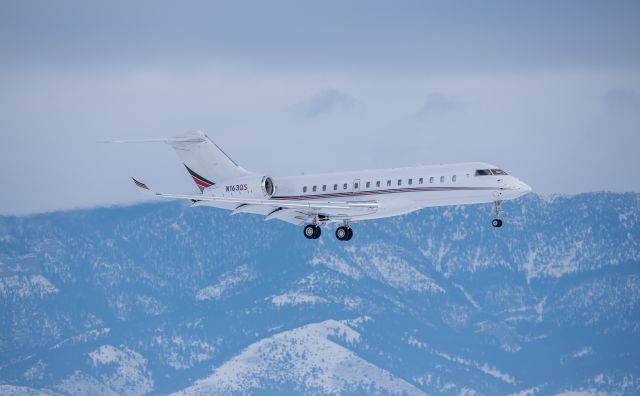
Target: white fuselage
[[403, 190]]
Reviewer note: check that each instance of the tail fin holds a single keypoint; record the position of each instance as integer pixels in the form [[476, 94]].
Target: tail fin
[[205, 161]]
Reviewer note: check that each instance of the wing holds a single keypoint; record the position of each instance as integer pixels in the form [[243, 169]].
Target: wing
[[295, 212]]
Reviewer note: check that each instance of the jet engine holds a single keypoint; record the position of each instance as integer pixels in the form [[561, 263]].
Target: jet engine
[[254, 186]]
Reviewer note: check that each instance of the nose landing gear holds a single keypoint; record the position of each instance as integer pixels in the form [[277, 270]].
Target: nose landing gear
[[497, 223]]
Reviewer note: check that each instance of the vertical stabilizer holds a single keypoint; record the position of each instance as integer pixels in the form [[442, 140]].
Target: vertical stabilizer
[[206, 163]]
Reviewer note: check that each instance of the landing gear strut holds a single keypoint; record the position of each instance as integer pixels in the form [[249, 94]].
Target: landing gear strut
[[312, 231], [497, 222], [344, 233]]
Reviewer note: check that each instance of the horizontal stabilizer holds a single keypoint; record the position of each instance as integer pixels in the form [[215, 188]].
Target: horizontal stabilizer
[[140, 184], [183, 139]]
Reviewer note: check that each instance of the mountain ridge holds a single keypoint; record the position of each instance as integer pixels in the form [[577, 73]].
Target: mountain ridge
[[452, 305]]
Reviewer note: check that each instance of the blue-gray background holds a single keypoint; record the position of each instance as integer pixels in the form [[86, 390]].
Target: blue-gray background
[[548, 90]]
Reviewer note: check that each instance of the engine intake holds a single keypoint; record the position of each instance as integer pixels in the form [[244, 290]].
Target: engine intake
[[267, 186]]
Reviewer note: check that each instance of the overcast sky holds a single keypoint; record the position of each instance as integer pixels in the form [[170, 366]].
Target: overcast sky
[[550, 91]]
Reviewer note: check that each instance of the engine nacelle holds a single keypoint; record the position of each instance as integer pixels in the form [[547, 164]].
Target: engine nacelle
[[253, 186]]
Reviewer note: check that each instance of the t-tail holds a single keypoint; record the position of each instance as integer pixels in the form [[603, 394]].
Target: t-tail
[[206, 163]]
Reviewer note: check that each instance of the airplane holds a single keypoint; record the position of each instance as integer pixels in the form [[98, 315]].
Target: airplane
[[344, 198]]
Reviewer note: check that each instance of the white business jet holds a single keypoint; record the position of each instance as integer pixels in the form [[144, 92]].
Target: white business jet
[[342, 197]]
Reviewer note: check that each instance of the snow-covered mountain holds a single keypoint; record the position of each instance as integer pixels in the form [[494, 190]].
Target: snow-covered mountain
[[162, 298]]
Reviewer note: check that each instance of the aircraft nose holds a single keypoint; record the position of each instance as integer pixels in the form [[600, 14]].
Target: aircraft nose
[[524, 187]]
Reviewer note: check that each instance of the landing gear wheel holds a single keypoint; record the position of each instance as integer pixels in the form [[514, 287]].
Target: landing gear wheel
[[312, 231], [496, 223], [342, 233]]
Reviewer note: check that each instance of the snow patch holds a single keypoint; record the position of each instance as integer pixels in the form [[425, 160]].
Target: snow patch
[[585, 351], [128, 375], [182, 353], [491, 370], [308, 357], [150, 305], [36, 372], [484, 367], [527, 392], [467, 296], [581, 392], [13, 390], [336, 264], [83, 338], [226, 282], [26, 286], [382, 265], [80, 384], [296, 298]]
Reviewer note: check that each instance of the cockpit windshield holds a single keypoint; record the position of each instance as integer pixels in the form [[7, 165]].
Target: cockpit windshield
[[489, 172]]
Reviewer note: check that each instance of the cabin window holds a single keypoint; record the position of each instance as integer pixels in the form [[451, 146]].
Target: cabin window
[[304, 189], [335, 187], [441, 179], [431, 179], [453, 178], [324, 187], [344, 186], [399, 182], [410, 182], [368, 184], [356, 185], [388, 183], [314, 188], [378, 183], [420, 180]]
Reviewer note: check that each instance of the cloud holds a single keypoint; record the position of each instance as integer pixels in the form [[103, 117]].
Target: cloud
[[439, 104], [323, 102], [51, 117]]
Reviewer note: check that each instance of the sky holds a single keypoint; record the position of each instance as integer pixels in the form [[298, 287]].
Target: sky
[[547, 90]]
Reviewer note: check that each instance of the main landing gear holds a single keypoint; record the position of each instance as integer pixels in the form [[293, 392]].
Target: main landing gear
[[344, 233], [497, 222], [312, 231]]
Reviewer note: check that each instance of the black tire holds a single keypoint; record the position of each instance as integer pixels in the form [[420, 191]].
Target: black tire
[[496, 223], [342, 233], [310, 231], [350, 234], [318, 232]]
